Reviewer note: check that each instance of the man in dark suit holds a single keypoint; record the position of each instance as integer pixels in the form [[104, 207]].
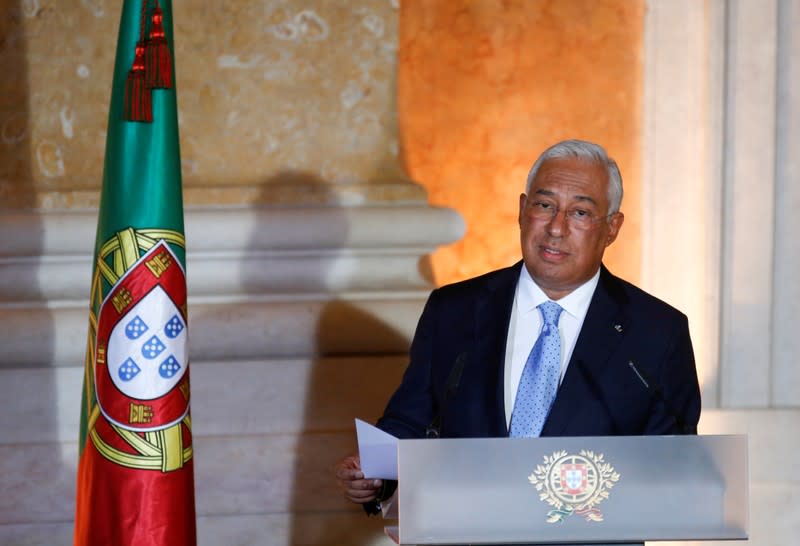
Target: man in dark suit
[[488, 361]]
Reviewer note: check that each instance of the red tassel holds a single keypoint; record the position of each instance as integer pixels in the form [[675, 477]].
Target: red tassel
[[138, 104], [158, 68]]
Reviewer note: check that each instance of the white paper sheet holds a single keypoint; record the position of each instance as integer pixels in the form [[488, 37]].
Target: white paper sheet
[[377, 451]]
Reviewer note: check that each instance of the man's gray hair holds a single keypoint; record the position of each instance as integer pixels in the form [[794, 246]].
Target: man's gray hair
[[587, 151]]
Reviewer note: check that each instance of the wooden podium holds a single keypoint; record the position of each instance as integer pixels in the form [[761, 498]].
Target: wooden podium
[[577, 490]]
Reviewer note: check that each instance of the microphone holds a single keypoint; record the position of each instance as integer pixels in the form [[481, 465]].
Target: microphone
[[453, 380], [656, 392]]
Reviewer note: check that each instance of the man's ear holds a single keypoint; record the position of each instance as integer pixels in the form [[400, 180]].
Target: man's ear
[[614, 225], [522, 200]]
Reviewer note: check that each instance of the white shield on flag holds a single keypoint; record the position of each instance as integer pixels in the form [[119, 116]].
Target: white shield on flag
[[147, 348], [142, 360]]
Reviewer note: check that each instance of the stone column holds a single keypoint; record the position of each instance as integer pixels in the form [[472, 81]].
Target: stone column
[[720, 238]]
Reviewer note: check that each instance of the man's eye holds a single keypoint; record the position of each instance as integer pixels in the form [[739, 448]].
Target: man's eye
[[542, 205], [579, 213]]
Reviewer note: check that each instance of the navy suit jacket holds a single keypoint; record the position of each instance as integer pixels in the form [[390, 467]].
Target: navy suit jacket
[[600, 393]]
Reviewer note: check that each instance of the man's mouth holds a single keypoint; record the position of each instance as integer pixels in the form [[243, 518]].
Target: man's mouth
[[551, 252]]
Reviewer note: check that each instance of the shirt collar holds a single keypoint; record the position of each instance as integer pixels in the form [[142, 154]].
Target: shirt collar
[[576, 303]]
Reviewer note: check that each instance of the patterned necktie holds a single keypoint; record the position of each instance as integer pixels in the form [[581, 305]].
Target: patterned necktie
[[539, 381]]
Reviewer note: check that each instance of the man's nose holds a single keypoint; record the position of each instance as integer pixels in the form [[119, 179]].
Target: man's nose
[[558, 223]]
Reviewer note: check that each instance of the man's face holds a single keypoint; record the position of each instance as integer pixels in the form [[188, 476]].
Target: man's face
[[563, 249]]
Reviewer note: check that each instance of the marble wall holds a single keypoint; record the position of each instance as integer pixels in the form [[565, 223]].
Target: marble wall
[[722, 81], [296, 102], [266, 117], [279, 101], [485, 86]]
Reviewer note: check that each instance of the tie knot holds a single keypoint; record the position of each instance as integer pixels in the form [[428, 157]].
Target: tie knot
[[550, 311]]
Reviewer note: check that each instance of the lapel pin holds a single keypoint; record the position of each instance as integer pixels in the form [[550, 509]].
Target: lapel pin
[[618, 327]]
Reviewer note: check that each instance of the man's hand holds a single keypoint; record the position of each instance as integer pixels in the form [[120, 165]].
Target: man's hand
[[351, 480]]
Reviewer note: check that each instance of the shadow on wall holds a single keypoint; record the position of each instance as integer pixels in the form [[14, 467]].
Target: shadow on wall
[[35, 462], [339, 388], [354, 363], [425, 268]]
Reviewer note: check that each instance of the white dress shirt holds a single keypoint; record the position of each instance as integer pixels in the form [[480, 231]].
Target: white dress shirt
[[526, 325]]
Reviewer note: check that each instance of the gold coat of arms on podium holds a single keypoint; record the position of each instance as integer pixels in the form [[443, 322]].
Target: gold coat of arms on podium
[[574, 484]]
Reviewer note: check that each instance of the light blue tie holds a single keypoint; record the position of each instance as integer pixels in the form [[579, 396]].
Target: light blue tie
[[539, 381]]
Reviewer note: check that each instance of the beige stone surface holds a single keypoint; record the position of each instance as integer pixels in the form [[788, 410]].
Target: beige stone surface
[[278, 396], [484, 86], [234, 329], [279, 101], [324, 528], [234, 475]]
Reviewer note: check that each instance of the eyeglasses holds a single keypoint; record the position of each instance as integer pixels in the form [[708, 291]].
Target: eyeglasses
[[576, 216]]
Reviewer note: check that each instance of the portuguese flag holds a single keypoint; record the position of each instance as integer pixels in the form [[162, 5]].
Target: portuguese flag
[[135, 481]]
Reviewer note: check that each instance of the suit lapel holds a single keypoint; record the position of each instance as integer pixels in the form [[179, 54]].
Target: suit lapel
[[600, 334], [493, 314]]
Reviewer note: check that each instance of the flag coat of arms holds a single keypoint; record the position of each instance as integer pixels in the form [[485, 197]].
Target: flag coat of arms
[[135, 481]]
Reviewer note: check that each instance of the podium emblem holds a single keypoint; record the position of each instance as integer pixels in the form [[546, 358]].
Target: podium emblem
[[575, 477], [574, 484]]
